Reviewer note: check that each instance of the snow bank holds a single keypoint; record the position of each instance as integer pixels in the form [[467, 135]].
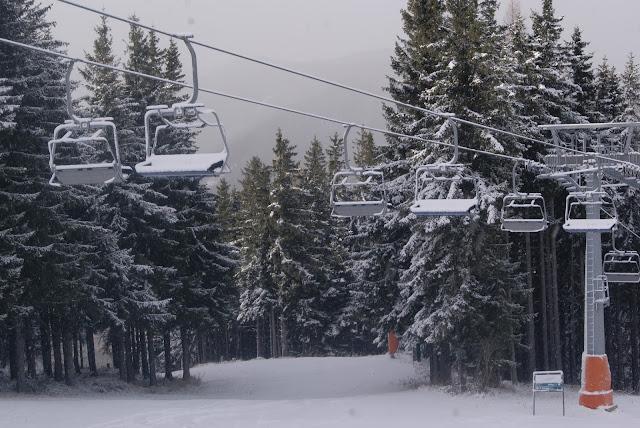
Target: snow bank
[[309, 392]]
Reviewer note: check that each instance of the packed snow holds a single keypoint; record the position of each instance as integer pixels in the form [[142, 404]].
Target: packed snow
[[331, 392]]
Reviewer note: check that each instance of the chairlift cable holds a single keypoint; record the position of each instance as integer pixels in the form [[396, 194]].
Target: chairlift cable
[[261, 103], [328, 82]]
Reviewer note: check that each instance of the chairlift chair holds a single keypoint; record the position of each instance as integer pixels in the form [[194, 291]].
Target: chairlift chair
[[523, 212], [183, 115], [461, 188], [621, 266], [85, 132], [357, 192], [580, 204]]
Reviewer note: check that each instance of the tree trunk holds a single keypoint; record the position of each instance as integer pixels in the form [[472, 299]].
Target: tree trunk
[[30, 348], [272, 334], [18, 357], [168, 365], [573, 322], [122, 364], [91, 351], [635, 368], [135, 351], [58, 371], [76, 353], [283, 336], [543, 294], [128, 355], [259, 338], [620, 351], [143, 353], [184, 338], [67, 351], [152, 358], [45, 347], [200, 346], [461, 369], [531, 329], [557, 342]]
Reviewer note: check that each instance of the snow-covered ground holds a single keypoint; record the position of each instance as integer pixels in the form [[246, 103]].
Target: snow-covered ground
[[302, 392]]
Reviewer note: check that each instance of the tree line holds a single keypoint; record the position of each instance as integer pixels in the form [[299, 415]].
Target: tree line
[[170, 272]]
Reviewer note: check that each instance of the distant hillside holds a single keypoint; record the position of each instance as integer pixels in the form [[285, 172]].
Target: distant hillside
[[251, 129]]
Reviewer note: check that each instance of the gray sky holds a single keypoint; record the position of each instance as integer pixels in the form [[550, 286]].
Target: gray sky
[[333, 39]]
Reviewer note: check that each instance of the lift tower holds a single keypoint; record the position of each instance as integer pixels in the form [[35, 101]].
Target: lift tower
[[580, 165]]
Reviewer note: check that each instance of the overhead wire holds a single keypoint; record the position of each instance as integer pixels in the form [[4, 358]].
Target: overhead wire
[[256, 102], [333, 83]]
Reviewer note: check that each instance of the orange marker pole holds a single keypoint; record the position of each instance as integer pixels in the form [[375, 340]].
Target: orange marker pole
[[393, 344]]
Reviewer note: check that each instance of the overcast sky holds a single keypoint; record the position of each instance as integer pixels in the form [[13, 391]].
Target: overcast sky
[[295, 31], [327, 38]]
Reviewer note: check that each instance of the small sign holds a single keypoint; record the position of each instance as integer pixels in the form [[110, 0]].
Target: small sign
[[548, 382]]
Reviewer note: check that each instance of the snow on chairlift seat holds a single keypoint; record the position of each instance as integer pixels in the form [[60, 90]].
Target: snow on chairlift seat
[[621, 266], [597, 201], [443, 207], [517, 206], [182, 165]]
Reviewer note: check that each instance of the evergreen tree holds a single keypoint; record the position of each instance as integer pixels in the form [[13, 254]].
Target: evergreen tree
[[582, 74], [258, 294], [288, 260], [32, 104], [608, 95]]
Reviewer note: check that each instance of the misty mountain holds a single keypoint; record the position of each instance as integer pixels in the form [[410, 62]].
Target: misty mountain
[[251, 128]]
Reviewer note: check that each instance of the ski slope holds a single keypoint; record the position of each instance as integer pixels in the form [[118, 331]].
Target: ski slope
[[302, 392]]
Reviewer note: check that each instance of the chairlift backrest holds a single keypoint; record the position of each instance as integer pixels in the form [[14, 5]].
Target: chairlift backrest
[[621, 266], [589, 212], [357, 192], [445, 189], [183, 115], [523, 212], [88, 133]]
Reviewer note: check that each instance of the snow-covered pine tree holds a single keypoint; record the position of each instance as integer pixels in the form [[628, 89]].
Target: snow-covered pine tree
[[258, 293], [608, 94], [31, 105], [441, 280], [288, 258], [582, 75], [319, 304]]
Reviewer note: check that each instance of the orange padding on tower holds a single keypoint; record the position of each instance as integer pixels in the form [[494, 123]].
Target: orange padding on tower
[[596, 383]]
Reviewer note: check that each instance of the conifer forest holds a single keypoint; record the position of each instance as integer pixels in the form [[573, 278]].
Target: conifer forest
[[171, 272]]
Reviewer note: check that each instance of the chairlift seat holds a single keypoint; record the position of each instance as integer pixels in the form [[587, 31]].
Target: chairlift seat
[[86, 173], [97, 173], [589, 225], [603, 207], [184, 165], [523, 212], [372, 188], [358, 208], [621, 266], [444, 207], [450, 206]]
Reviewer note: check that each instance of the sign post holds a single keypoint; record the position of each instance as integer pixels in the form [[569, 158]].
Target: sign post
[[548, 382]]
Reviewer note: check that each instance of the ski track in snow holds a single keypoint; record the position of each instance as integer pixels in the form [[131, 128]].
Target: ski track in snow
[[310, 392]]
